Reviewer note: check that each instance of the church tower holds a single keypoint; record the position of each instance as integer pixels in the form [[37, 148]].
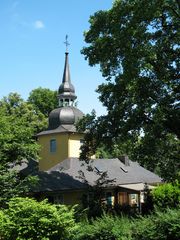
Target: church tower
[[61, 140]]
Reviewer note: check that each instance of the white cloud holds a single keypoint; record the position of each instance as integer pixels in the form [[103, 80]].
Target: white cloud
[[38, 24]]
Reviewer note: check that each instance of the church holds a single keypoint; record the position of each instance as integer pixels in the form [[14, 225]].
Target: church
[[64, 178]]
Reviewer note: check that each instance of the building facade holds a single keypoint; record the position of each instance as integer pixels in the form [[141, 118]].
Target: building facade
[[66, 179], [61, 140]]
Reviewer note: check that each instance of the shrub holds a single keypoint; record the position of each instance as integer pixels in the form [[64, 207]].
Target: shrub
[[5, 225], [29, 219], [105, 228], [167, 195], [159, 226]]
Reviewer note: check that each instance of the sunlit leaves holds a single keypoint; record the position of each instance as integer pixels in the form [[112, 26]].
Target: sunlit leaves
[[136, 44]]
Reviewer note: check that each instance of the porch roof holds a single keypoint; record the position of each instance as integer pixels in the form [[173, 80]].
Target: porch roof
[[136, 186]]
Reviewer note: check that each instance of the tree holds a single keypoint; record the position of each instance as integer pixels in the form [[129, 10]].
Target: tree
[[136, 43], [43, 100], [19, 123], [13, 185]]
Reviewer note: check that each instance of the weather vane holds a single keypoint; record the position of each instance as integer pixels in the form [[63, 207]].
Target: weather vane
[[66, 43]]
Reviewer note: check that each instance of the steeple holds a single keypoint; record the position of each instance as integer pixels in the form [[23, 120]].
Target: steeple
[[66, 92]]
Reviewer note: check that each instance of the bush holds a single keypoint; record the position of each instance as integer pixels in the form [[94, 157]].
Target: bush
[[167, 195], [5, 226], [105, 228], [29, 219], [159, 226]]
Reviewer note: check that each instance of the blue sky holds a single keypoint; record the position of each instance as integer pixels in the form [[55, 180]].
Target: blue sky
[[32, 33]]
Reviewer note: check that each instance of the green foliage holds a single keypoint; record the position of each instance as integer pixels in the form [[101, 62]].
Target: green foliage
[[5, 226], [105, 228], [101, 152], [12, 185], [28, 219], [160, 155], [160, 226], [43, 100], [167, 196], [88, 124], [147, 206], [19, 124], [136, 44]]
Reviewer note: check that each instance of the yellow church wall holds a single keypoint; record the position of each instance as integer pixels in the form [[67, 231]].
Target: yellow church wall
[[68, 198], [49, 159], [72, 198], [74, 144]]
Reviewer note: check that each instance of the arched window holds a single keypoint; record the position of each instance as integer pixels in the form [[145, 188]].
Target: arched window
[[52, 145], [66, 102], [61, 102]]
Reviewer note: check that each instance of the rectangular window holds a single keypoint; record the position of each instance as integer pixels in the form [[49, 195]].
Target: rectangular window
[[109, 199], [53, 145], [58, 199], [123, 198], [133, 199], [81, 142]]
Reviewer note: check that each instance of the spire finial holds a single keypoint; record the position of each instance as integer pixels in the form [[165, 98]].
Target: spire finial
[[66, 92], [66, 43]]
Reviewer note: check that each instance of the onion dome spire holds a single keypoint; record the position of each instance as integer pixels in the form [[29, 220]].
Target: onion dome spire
[[66, 92]]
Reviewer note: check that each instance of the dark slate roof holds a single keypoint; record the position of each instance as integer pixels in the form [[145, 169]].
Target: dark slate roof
[[63, 119], [60, 129], [73, 174]]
